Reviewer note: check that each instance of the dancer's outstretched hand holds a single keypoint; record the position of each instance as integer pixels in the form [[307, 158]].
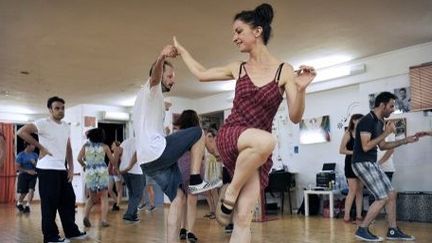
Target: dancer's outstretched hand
[[304, 76], [169, 51], [423, 133], [178, 46]]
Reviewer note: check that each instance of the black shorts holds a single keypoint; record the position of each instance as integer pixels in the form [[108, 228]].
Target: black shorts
[[349, 173], [26, 182]]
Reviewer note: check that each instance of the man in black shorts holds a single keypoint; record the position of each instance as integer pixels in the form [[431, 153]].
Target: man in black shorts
[[370, 133], [26, 164]]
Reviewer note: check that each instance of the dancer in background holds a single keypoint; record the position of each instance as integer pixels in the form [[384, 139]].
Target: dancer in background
[[115, 179], [355, 187], [92, 159], [26, 164]]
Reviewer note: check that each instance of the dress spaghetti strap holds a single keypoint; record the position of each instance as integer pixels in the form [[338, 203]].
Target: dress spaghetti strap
[[240, 69], [278, 72]]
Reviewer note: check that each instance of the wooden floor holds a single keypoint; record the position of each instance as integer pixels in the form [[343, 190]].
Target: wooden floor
[[17, 227]]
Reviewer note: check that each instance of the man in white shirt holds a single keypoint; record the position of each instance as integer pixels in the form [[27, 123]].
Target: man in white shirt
[[157, 153], [133, 177], [55, 187]]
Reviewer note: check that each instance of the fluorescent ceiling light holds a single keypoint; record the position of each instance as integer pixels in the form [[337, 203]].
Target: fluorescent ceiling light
[[326, 61], [339, 72], [115, 116], [128, 101], [16, 109], [14, 117]]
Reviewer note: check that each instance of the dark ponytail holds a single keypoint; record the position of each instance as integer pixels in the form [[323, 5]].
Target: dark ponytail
[[260, 16]]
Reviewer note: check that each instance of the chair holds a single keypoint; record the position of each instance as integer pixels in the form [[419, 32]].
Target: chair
[[280, 181]]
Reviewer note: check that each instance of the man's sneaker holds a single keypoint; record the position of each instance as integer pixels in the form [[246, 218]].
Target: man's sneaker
[[229, 228], [183, 233], [26, 209], [150, 209], [204, 186], [58, 239], [397, 234], [141, 207], [191, 238], [79, 236], [20, 207], [363, 233], [131, 221]]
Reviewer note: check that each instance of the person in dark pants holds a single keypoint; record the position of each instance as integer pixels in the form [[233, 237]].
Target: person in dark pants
[[26, 164], [134, 178], [55, 187]]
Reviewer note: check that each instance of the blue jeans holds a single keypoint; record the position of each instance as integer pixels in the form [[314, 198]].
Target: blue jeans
[[164, 170], [135, 185]]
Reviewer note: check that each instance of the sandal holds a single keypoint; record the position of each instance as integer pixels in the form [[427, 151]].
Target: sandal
[[223, 218]]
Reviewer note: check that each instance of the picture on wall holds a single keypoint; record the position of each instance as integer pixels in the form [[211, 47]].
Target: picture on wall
[[315, 130], [401, 127], [403, 103], [372, 100]]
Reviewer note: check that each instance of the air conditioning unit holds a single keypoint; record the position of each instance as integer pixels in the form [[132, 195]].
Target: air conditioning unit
[[115, 116]]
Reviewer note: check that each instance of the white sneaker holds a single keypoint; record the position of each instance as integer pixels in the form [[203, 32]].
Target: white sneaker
[[80, 236], [204, 186], [141, 207]]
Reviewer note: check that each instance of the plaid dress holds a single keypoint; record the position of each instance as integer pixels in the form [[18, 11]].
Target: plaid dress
[[254, 107]]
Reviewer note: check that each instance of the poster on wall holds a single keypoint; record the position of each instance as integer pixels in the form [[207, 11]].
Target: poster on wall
[[89, 121], [403, 101], [315, 130], [401, 127]]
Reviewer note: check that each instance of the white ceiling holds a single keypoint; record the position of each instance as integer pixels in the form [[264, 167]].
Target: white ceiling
[[99, 51]]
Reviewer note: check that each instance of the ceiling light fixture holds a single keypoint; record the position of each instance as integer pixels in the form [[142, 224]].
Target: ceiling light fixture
[[339, 72], [115, 116]]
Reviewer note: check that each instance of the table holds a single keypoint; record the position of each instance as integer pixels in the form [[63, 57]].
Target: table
[[331, 200]]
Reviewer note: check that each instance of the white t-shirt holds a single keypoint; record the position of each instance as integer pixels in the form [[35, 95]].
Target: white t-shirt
[[387, 166], [53, 136], [148, 116], [128, 147]]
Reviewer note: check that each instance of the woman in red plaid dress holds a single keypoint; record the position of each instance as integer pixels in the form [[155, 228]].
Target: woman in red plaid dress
[[245, 142]]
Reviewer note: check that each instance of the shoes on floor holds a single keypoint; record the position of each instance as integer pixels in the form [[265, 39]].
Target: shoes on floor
[[79, 236], [183, 234], [57, 239], [131, 220], [26, 209], [141, 207], [204, 186], [191, 238], [86, 222], [397, 234], [115, 207], [229, 228], [20, 207], [150, 209], [364, 234]]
